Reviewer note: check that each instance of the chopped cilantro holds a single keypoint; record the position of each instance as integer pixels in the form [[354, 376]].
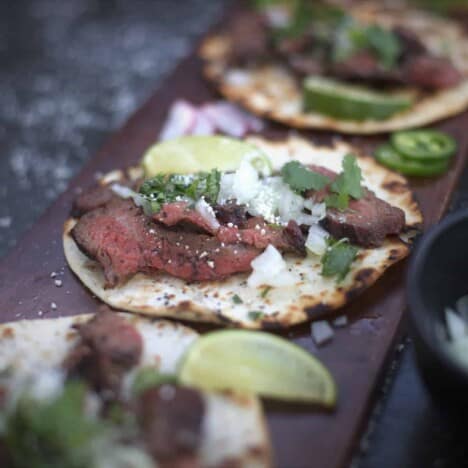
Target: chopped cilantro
[[300, 178], [236, 299], [54, 433], [148, 377], [347, 184], [168, 188], [266, 291], [352, 37], [255, 314], [338, 258]]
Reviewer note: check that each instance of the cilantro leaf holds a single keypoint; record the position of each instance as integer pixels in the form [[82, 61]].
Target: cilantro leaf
[[53, 434], [338, 258], [255, 314], [265, 292], [148, 377], [352, 37], [236, 299], [385, 44], [340, 201], [168, 188], [300, 178], [347, 184]]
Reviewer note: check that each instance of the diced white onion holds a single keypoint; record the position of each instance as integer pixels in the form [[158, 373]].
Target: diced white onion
[[456, 326], [206, 211], [340, 321], [277, 16], [270, 269], [321, 332], [462, 307], [180, 121], [246, 183], [316, 241], [125, 192]]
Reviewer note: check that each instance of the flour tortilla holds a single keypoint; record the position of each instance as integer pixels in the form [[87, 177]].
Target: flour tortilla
[[270, 90], [234, 429], [310, 296]]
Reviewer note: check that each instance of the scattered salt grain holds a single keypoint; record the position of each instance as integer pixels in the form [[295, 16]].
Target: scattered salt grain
[[58, 283], [53, 305]]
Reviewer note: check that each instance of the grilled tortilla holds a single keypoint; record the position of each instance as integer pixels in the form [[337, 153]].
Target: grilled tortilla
[[233, 429], [271, 90], [311, 295]]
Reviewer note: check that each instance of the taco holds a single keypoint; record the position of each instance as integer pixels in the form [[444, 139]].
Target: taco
[[99, 391], [295, 231], [376, 68]]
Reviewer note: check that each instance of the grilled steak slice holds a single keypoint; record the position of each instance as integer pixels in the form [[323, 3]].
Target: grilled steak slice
[[181, 214], [432, 73], [124, 241], [366, 222], [251, 231], [249, 38], [171, 419], [232, 213], [259, 234], [108, 347], [364, 66], [91, 199]]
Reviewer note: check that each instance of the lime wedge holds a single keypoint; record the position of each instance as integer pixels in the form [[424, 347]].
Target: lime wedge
[[190, 154], [257, 362], [350, 102]]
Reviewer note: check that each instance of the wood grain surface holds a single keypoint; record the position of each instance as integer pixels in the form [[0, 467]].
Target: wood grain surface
[[357, 357]]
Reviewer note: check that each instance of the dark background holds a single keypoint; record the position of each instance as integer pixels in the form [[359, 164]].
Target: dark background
[[71, 72]]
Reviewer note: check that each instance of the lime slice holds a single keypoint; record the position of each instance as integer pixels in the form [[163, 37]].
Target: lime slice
[[350, 102], [257, 362], [190, 154]]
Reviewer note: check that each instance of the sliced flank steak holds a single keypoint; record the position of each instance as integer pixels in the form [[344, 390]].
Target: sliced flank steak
[[108, 347], [366, 222], [171, 420]]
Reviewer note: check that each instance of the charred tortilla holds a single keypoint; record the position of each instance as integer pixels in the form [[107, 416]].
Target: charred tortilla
[[311, 295], [232, 429], [271, 90]]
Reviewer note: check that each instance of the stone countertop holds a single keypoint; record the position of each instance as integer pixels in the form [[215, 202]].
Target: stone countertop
[[71, 73]]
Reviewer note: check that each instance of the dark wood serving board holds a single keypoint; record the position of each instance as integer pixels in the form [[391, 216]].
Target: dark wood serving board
[[357, 357]]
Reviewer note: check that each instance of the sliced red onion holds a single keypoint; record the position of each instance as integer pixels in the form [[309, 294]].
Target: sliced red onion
[[180, 121], [456, 326], [203, 125], [226, 118], [321, 332]]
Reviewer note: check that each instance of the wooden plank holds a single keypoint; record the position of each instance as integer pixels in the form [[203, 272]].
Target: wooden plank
[[301, 436]]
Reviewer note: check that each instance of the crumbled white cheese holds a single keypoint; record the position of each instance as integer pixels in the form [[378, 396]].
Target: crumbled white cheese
[[270, 269]]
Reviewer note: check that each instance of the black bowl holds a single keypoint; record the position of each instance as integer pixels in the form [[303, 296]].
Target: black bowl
[[437, 278]]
